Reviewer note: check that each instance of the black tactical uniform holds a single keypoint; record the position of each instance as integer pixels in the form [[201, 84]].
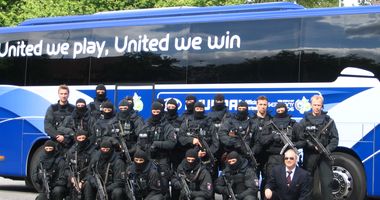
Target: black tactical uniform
[[103, 127], [53, 124], [236, 130], [270, 140], [80, 119], [52, 170], [199, 128], [77, 161], [197, 178], [145, 178], [189, 108], [125, 124], [218, 115], [242, 178], [110, 169], [157, 138], [95, 107], [313, 160]]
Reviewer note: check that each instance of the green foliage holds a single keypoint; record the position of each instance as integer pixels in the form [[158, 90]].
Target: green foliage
[[12, 12]]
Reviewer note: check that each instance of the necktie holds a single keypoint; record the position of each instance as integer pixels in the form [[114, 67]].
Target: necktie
[[289, 178]]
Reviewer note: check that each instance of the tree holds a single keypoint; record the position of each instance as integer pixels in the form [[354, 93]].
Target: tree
[[12, 12]]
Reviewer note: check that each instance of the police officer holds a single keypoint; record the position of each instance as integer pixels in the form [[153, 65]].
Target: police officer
[[218, 115], [236, 130], [270, 140], [158, 138], [103, 127], [171, 116], [95, 107], [196, 177], [54, 117], [145, 178], [125, 124], [189, 102], [240, 176], [193, 131], [80, 119], [78, 159], [320, 125], [259, 119], [109, 168], [51, 173]]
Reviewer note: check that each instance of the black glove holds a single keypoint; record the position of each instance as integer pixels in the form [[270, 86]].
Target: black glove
[[277, 137]]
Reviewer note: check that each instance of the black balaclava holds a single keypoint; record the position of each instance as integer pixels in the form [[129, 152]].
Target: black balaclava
[[124, 113], [173, 112], [219, 106], [193, 154], [156, 106], [82, 144], [199, 115], [107, 104], [101, 97], [106, 155], [190, 106], [242, 115], [162, 102], [234, 155], [81, 110], [141, 154], [50, 143], [130, 100], [281, 105]]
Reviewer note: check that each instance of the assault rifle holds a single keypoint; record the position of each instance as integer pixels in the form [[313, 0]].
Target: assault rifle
[[102, 193], [45, 182], [200, 133], [124, 145], [246, 147], [129, 188], [75, 177], [185, 187], [231, 194], [315, 142], [284, 137]]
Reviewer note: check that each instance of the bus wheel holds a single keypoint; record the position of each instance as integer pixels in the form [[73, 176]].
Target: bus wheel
[[348, 177], [31, 180]]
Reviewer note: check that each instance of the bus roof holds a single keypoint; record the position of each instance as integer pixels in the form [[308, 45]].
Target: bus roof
[[201, 17], [162, 12]]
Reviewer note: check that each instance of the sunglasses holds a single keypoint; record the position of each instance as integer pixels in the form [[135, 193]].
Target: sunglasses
[[289, 158]]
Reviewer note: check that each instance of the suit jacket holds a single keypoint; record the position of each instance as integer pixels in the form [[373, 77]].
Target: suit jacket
[[299, 189]]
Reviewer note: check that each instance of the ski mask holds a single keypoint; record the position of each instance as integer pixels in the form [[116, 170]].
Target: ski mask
[[141, 154], [172, 112], [156, 106], [242, 115], [192, 153], [130, 100], [281, 105], [234, 155], [124, 113], [82, 144], [101, 97], [107, 115], [219, 106], [190, 106], [49, 143], [199, 115], [106, 155], [81, 110]]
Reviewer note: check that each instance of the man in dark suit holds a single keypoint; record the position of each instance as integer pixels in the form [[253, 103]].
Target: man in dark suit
[[288, 182]]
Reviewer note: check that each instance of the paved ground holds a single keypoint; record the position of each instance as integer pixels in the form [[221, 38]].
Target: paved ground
[[15, 190]]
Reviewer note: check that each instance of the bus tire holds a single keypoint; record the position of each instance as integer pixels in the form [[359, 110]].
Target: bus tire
[[33, 164], [349, 180]]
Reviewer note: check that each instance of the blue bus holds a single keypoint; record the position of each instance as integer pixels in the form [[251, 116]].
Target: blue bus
[[280, 50]]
